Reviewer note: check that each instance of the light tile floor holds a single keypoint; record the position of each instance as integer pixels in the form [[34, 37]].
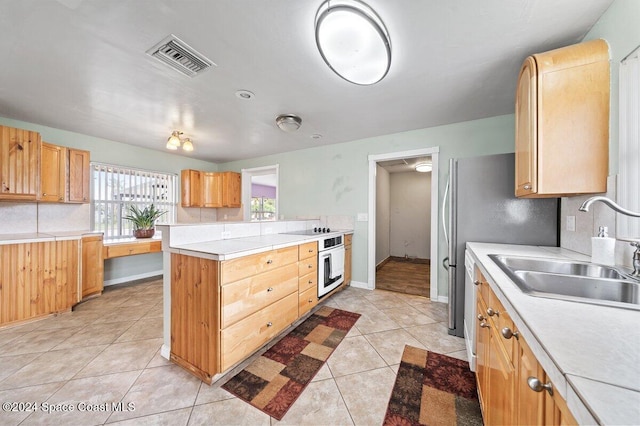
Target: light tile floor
[[108, 351]]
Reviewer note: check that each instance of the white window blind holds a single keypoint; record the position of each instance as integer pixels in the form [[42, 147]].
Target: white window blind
[[115, 188], [629, 145]]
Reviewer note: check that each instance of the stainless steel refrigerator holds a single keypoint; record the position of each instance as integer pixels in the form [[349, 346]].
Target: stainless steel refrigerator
[[482, 207]]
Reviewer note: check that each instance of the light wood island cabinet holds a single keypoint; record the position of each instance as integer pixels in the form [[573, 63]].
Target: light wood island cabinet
[[562, 122], [308, 277], [506, 367], [19, 164]]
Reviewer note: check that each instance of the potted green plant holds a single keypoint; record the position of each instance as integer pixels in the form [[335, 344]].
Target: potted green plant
[[144, 220]]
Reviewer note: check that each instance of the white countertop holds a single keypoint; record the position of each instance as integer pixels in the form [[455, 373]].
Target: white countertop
[[590, 352], [238, 247]]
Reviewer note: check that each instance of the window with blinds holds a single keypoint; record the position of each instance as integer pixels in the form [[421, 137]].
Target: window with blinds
[[628, 193], [115, 188]]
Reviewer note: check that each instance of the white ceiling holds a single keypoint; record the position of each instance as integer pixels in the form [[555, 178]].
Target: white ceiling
[[80, 65]]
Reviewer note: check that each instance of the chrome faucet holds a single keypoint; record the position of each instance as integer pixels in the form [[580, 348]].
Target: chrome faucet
[[636, 260], [585, 206]]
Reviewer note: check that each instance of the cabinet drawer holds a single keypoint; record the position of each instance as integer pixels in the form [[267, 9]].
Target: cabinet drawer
[[243, 267], [307, 281], [307, 300], [308, 250], [307, 266], [118, 250], [242, 298], [249, 334], [500, 321]]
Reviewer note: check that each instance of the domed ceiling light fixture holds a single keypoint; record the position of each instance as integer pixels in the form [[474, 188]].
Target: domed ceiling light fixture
[[288, 122], [424, 167], [353, 41]]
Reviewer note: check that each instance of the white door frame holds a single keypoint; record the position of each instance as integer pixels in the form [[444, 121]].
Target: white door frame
[[246, 187], [373, 160]]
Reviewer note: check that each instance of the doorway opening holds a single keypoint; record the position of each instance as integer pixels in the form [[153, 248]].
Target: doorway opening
[[260, 193], [403, 222]]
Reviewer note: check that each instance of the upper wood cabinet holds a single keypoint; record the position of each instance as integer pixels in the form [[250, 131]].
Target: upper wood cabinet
[[79, 171], [53, 167], [190, 181], [211, 189], [19, 164], [562, 122], [64, 174], [231, 189]]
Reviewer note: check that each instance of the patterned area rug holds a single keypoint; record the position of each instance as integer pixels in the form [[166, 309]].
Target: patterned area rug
[[274, 381], [433, 389]]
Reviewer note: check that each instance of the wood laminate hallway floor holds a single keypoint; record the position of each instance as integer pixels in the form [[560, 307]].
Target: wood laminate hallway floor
[[404, 276]]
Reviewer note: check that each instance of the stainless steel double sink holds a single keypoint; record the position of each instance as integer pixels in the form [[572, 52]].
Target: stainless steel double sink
[[572, 280]]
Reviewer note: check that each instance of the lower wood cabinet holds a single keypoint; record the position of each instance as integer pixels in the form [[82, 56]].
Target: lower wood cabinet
[[347, 258], [92, 276], [37, 279], [506, 367]]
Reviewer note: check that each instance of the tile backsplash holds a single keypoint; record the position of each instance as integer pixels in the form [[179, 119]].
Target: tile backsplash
[[43, 217]]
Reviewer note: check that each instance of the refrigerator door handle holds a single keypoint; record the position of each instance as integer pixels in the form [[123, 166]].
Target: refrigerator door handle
[[444, 214], [453, 212], [445, 263]]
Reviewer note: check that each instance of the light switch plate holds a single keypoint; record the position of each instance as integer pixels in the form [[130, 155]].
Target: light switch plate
[[571, 223]]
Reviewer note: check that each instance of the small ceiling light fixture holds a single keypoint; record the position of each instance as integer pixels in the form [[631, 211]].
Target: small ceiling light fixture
[[353, 41], [174, 142], [423, 167], [288, 122], [244, 94]]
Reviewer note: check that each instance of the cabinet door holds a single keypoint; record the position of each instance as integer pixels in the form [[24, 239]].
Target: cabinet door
[[53, 160], [501, 379], [231, 189], [529, 409], [92, 265], [526, 129], [79, 170], [19, 163], [211, 189], [190, 182], [347, 264], [482, 353]]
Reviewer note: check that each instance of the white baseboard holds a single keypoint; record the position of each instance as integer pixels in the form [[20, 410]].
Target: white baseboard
[[133, 278], [442, 299], [359, 284], [165, 352]]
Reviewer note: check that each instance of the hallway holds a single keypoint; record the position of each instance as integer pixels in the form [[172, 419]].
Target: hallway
[[408, 276]]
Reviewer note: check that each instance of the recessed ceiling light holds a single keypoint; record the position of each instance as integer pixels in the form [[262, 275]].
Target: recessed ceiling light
[[316, 136], [245, 94]]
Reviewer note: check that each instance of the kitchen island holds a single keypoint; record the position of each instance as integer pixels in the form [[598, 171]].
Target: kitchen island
[[590, 353], [229, 289]]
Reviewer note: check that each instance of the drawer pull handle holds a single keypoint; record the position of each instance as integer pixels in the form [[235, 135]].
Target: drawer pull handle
[[310, 300], [527, 187], [270, 289], [537, 386], [310, 250], [481, 317], [508, 334], [476, 282], [310, 281], [484, 325], [269, 324], [44, 194], [269, 262], [310, 266], [491, 312]]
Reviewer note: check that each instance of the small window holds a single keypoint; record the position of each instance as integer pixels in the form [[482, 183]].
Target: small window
[[263, 208], [628, 193], [115, 188]]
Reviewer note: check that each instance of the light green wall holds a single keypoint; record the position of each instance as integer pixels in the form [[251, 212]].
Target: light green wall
[[121, 154], [333, 180], [620, 27]]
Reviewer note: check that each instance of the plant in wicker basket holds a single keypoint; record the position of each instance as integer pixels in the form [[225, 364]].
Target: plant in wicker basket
[[144, 220]]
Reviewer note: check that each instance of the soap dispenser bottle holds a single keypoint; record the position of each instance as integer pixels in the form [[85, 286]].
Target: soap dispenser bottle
[[603, 248]]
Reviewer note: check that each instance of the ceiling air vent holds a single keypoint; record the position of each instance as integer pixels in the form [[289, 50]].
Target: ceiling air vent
[[180, 56]]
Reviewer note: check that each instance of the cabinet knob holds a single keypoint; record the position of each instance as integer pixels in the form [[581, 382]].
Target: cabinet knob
[[310, 281], [508, 334], [60, 199], [269, 324], [481, 317], [44, 194], [270, 289], [537, 386], [84, 198], [527, 187], [269, 262], [484, 325], [310, 250], [310, 300], [476, 282], [491, 312], [310, 266]]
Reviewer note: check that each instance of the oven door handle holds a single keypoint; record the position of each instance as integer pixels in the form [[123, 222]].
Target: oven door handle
[[327, 267]]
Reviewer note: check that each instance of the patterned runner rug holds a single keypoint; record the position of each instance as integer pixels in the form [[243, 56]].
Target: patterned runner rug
[[433, 389], [274, 381]]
